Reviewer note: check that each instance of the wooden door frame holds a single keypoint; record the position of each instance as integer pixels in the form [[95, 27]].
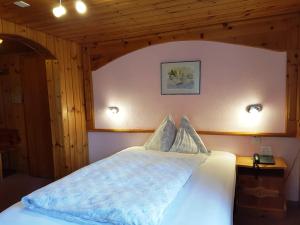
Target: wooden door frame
[[51, 66]]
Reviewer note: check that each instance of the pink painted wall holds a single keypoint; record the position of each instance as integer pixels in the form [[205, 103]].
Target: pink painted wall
[[232, 77]]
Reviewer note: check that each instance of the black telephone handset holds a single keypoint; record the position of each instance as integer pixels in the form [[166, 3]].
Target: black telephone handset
[[256, 161], [256, 158]]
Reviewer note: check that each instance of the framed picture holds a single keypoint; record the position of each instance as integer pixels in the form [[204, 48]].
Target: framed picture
[[180, 78]]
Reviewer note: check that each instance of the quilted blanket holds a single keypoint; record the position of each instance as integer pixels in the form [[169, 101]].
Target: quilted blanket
[[132, 187]]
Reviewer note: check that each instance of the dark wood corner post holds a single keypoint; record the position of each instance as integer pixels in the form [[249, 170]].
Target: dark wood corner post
[[88, 88]]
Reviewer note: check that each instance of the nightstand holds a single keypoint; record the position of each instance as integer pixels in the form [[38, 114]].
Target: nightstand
[[261, 190]]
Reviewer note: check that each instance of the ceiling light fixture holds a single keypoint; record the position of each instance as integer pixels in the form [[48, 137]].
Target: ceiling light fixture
[[80, 7], [59, 11]]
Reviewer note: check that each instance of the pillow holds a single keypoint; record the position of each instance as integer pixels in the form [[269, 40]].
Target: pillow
[[187, 140], [163, 137]]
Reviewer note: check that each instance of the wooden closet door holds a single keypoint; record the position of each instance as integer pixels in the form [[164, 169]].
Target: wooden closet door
[[37, 117]]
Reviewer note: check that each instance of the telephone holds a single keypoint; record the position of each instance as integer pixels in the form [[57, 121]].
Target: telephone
[[262, 159]]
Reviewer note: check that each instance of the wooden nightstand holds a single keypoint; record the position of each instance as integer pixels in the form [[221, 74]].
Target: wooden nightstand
[[261, 190]]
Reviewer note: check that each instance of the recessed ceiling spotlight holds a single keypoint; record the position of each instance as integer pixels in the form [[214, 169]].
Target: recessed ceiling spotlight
[[59, 11], [80, 7], [22, 4], [1, 41]]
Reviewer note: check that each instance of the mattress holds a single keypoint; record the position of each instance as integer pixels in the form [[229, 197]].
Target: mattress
[[206, 198]]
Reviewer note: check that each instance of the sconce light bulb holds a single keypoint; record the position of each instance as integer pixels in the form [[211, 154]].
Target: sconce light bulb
[[59, 11], [113, 110], [254, 108], [80, 7], [1, 41]]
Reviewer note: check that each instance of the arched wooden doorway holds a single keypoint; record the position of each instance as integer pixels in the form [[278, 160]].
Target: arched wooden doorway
[[24, 105], [65, 94]]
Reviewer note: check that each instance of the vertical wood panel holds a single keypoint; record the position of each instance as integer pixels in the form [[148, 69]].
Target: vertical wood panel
[[298, 86], [37, 116], [53, 109], [79, 104], [70, 107], [65, 90], [12, 109], [88, 94]]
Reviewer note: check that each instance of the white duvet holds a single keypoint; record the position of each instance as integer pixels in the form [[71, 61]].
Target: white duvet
[[206, 199], [132, 187]]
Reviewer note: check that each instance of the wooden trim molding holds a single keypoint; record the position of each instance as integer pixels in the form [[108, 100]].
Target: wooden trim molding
[[279, 33], [228, 133]]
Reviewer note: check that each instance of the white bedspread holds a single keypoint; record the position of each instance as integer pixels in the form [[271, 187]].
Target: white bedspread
[[207, 198], [132, 187]]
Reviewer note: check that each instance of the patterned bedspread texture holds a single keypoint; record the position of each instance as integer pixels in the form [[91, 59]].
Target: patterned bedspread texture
[[132, 187]]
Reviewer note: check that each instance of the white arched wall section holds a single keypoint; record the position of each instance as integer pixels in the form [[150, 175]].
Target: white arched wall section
[[232, 77]]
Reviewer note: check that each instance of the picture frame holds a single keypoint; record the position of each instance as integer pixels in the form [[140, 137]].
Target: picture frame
[[181, 78]]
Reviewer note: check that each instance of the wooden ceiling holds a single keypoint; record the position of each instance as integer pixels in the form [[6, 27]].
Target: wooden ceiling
[[113, 20]]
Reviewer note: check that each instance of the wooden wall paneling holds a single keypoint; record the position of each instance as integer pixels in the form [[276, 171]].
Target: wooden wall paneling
[[88, 87], [49, 64], [2, 98], [298, 103], [13, 109], [1, 166], [59, 122], [76, 59], [83, 108], [65, 131], [38, 124], [298, 100], [266, 33], [76, 110], [17, 93], [292, 77], [54, 93], [8, 27], [64, 107], [70, 109]]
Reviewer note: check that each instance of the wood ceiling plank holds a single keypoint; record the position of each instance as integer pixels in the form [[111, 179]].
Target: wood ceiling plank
[[100, 19], [156, 15], [125, 34], [109, 20], [272, 24], [174, 20]]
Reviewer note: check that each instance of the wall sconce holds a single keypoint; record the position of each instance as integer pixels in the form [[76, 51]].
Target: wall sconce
[[254, 108], [113, 110], [1, 41]]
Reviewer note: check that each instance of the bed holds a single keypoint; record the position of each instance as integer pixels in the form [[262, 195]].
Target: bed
[[206, 198]]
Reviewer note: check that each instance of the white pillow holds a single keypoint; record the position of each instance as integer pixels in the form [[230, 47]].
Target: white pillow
[[163, 137], [187, 140]]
